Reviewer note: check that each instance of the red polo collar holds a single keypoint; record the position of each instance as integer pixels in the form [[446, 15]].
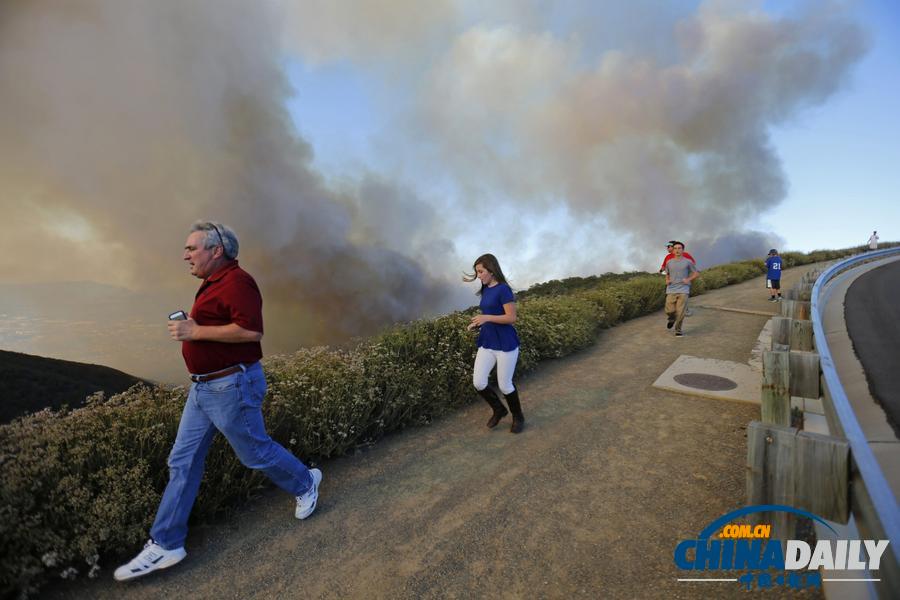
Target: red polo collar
[[229, 266]]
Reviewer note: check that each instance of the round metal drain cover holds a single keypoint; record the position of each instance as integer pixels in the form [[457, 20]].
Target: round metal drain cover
[[702, 381]]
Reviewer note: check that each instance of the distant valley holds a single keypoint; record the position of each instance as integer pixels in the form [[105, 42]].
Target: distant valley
[[31, 383], [94, 323]]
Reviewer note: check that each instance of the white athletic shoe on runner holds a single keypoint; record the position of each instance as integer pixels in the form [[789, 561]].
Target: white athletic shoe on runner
[[306, 503], [152, 558]]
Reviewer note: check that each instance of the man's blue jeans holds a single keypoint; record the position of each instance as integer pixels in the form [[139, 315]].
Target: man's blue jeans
[[232, 405]]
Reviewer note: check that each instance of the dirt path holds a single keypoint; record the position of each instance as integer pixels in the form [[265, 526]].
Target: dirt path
[[590, 501]]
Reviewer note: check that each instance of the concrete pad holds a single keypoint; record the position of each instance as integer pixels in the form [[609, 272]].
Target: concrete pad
[[814, 405], [748, 380], [763, 343], [815, 423]]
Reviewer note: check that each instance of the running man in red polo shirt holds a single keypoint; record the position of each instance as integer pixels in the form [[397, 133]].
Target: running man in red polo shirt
[[670, 254], [221, 347]]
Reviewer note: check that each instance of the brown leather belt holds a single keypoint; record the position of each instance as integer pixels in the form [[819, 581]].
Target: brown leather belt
[[215, 374]]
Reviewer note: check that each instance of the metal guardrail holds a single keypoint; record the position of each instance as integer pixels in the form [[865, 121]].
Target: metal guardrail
[[882, 514]]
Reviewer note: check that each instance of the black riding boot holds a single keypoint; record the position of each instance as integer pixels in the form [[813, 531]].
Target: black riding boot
[[515, 408], [492, 399]]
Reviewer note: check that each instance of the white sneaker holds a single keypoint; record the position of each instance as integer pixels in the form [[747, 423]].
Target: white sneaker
[[152, 558], [306, 503]]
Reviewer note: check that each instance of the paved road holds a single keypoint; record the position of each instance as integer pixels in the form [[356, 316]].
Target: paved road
[[589, 502], [872, 312]]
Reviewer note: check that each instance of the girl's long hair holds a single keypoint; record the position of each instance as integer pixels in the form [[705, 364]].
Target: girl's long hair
[[491, 265]]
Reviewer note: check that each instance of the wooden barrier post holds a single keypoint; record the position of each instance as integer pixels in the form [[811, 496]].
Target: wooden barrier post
[[800, 310], [801, 337], [787, 308], [800, 469], [770, 460], [804, 374], [822, 475], [781, 333], [770, 473], [795, 309], [775, 394]]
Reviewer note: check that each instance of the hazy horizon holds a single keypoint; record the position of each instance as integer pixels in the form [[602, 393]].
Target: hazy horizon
[[123, 329]]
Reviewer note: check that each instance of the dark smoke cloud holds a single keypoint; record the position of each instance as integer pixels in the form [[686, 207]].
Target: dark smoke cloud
[[560, 137], [124, 121], [659, 148], [733, 245]]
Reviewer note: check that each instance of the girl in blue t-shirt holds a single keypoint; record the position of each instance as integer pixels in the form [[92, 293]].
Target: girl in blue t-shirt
[[498, 342]]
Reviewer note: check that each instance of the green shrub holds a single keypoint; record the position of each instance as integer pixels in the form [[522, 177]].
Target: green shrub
[[554, 326], [607, 300], [793, 259], [642, 295], [77, 484], [556, 287], [85, 484]]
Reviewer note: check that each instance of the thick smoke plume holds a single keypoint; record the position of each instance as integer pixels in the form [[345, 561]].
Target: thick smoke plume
[[662, 147], [567, 138], [123, 122]]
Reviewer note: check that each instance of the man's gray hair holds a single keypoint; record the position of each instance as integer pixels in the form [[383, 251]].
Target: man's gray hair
[[218, 234]]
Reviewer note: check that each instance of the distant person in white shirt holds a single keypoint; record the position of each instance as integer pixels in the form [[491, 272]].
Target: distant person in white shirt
[[873, 241]]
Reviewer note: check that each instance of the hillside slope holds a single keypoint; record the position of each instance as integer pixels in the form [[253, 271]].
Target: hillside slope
[[31, 383]]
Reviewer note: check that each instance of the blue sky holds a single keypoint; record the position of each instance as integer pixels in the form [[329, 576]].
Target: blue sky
[[839, 158], [842, 158]]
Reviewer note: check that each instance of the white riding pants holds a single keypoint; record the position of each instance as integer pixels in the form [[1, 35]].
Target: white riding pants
[[485, 360]]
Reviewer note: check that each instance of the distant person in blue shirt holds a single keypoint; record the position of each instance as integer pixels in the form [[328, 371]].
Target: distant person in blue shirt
[[498, 343], [773, 275]]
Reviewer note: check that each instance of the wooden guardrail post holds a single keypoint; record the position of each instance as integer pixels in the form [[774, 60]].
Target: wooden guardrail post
[[800, 309], [770, 457], [775, 394], [822, 475], [770, 462], [787, 308], [801, 337], [800, 469], [795, 309], [810, 276], [804, 374], [781, 333]]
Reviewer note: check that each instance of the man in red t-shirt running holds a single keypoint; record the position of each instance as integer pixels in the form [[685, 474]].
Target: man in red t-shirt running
[[671, 255], [221, 347]]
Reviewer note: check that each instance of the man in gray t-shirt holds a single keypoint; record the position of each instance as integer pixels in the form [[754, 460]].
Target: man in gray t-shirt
[[680, 272]]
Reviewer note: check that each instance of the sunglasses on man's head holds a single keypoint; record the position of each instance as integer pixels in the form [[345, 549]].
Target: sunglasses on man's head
[[221, 240]]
